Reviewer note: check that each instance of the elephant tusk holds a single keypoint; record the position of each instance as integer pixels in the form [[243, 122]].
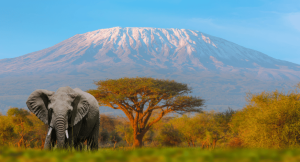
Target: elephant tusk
[[67, 134], [49, 132]]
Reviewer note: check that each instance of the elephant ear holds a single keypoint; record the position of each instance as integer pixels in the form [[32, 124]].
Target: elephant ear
[[37, 103], [80, 109]]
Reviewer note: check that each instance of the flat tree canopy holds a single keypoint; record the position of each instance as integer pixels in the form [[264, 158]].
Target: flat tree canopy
[[139, 97]]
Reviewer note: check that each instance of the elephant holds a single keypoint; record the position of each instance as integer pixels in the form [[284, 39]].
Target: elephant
[[72, 116]]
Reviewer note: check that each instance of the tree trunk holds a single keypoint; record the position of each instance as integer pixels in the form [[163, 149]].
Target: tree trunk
[[214, 143], [193, 142], [43, 143], [21, 142], [188, 141], [128, 143], [115, 144], [138, 140]]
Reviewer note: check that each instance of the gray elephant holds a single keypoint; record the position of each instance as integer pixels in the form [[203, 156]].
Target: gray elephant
[[72, 116]]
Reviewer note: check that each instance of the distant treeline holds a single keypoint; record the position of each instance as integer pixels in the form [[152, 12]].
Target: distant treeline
[[268, 120]]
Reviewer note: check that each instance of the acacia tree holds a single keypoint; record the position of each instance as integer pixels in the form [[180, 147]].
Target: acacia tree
[[139, 97]]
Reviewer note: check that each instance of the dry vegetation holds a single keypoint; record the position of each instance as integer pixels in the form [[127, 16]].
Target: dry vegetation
[[270, 120]]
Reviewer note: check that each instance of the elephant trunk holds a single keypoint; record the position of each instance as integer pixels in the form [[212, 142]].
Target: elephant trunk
[[60, 131]]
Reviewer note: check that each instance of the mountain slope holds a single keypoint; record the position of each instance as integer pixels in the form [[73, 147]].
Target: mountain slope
[[217, 69], [163, 48]]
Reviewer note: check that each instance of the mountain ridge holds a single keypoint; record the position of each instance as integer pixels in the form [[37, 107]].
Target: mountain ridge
[[158, 46]]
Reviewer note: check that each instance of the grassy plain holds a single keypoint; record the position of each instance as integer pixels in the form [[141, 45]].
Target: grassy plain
[[150, 155]]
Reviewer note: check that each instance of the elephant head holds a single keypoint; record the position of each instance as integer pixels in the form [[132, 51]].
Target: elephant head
[[60, 110]]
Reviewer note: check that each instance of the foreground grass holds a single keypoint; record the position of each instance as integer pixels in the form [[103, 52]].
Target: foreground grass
[[150, 155]]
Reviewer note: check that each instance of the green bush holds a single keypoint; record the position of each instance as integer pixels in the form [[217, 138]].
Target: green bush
[[103, 136], [269, 120], [169, 136]]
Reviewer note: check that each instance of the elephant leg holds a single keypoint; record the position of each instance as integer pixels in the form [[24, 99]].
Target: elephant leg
[[66, 145], [81, 145], [70, 141], [50, 140], [53, 139], [74, 136], [78, 144], [47, 145], [92, 141], [75, 145]]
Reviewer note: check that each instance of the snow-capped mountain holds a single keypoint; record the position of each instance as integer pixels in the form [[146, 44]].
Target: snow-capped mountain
[[160, 48], [204, 61]]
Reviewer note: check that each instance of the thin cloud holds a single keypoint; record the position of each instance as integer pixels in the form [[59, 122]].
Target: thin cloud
[[294, 20], [202, 21]]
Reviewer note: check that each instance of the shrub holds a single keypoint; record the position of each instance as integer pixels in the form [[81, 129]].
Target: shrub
[[269, 120], [103, 136], [235, 142], [169, 136]]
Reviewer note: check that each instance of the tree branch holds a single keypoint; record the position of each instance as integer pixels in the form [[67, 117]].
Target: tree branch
[[163, 113], [145, 121], [127, 113], [110, 105]]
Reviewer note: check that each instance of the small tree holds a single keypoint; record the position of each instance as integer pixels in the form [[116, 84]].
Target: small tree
[[22, 123], [222, 124], [207, 128], [126, 133], [139, 97], [189, 128], [114, 138]]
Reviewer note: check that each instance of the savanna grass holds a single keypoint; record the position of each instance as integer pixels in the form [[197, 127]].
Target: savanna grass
[[150, 155]]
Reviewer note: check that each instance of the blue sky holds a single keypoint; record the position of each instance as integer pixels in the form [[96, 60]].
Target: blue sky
[[269, 26]]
